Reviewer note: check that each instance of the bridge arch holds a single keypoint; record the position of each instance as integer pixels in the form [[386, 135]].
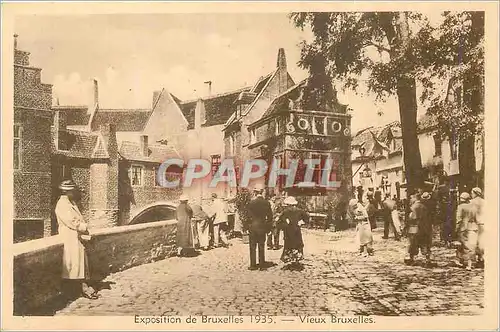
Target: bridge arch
[[157, 211]]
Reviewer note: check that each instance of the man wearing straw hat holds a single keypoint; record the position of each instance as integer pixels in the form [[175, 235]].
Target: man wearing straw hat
[[72, 229], [260, 223]]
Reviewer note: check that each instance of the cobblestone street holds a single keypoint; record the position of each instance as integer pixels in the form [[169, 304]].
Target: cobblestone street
[[335, 281]]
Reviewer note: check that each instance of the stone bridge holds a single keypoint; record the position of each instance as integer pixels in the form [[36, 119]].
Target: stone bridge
[[156, 211], [138, 276]]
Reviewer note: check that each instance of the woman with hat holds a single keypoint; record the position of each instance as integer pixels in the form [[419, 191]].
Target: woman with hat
[[185, 236], [290, 221], [477, 201], [72, 227], [467, 229], [363, 228]]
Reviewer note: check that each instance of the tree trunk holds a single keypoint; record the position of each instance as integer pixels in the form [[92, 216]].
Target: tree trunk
[[407, 100], [474, 99], [396, 28]]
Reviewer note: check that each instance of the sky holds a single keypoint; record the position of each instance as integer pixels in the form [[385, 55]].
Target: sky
[[132, 55]]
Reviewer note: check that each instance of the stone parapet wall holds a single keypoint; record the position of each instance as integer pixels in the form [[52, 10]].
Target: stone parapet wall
[[38, 263]]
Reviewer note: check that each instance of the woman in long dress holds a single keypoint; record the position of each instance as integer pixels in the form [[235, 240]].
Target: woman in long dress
[[363, 227], [72, 228], [185, 236], [290, 221]]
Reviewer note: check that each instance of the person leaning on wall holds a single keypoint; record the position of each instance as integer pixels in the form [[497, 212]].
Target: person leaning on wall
[[74, 232]]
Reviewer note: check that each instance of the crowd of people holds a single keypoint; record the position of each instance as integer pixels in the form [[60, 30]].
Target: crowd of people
[[209, 225], [462, 222], [205, 227]]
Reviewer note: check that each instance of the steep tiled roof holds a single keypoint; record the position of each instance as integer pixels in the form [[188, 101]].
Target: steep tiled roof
[[124, 119], [283, 99], [75, 115], [218, 108], [188, 109], [157, 153], [257, 88], [78, 144]]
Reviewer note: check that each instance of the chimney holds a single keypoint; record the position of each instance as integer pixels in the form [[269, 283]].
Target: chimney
[[144, 145], [282, 73], [59, 130], [199, 114], [96, 93], [281, 63], [209, 87], [15, 41]]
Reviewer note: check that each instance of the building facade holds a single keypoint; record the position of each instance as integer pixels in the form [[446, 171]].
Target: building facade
[[272, 123], [31, 150], [377, 157]]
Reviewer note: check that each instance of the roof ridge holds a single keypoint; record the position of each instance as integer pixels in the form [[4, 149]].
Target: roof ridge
[[124, 109], [260, 79], [214, 96]]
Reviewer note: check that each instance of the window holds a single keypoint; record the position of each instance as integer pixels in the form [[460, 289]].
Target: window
[[65, 172], [253, 137], [232, 145], [437, 145], [318, 169], [393, 148], [453, 148], [215, 163], [155, 176], [277, 128], [136, 175], [17, 146]]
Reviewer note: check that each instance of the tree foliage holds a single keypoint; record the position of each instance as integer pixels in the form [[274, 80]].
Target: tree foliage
[[458, 58], [349, 46]]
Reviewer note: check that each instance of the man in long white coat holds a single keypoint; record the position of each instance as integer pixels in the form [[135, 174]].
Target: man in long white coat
[[71, 228]]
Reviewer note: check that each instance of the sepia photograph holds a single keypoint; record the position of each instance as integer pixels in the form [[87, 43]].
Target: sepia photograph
[[251, 169]]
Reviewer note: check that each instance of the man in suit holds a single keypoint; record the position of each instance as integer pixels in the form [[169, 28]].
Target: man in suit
[[259, 224], [419, 231]]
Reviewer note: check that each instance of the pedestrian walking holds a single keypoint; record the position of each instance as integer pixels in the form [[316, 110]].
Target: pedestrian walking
[[185, 236], [419, 231], [260, 218], [218, 214], [444, 209], [372, 211], [273, 237], [391, 217], [478, 202], [73, 230], [290, 221], [363, 229], [467, 229], [202, 222]]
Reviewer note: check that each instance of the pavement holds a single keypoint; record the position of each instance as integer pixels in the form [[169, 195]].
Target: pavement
[[335, 281]]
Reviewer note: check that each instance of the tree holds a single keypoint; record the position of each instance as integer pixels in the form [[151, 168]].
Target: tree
[[381, 45], [458, 57]]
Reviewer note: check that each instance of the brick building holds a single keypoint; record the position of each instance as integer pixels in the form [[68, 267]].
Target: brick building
[[115, 164], [32, 149]]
